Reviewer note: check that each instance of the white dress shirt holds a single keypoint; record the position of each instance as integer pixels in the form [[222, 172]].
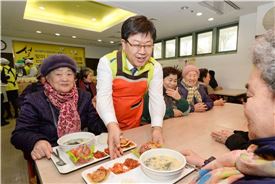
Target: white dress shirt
[[104, 99]]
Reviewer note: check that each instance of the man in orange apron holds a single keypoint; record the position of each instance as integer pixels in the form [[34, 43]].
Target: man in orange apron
[[123, 77]]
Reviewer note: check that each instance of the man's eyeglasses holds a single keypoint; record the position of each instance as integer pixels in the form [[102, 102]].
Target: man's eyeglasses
[[139, 46]]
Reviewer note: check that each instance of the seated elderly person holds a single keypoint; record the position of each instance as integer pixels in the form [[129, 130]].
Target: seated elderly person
[[190, 89], [204, 79], [257, 163], [176, 105], [57, 110]]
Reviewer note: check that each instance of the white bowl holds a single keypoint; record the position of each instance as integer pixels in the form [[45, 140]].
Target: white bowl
[[87, 138], [158, 174]]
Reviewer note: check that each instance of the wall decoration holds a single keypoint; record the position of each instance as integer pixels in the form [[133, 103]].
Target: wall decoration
[[39, 51]]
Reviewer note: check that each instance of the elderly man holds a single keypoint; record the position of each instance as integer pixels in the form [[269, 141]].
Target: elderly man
[[257, 163]]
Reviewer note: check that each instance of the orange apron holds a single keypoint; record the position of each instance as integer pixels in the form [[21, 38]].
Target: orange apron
[[128, 92]]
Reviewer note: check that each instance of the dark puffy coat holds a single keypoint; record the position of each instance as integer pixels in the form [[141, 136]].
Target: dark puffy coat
[[205, 98], [36, 120]]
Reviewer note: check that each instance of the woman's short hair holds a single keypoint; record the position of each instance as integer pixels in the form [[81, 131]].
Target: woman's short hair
[[203, 74], [138, 24], [264, 57], [84, 72], [171, 70]]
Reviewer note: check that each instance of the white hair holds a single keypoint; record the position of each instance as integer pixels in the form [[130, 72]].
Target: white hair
[[264, 57]]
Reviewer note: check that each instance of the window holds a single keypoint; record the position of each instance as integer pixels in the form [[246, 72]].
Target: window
[[157, 50], [204, 43], [228, 39], [170, 48], [186, 46]]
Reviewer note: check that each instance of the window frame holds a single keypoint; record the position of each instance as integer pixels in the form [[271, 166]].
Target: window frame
[[179, 45], [212, 44], [218, 38], [165, 41], [161, 52]]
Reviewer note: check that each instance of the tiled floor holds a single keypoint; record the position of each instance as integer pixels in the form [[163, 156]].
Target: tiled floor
[[13, 165]]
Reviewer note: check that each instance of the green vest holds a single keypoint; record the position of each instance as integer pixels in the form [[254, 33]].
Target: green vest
[[12, 83]]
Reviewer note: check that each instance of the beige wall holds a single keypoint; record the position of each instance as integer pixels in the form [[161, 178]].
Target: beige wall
[[232, 70]]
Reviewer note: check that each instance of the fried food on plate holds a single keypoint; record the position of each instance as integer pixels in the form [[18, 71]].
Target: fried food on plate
[[99, 175]]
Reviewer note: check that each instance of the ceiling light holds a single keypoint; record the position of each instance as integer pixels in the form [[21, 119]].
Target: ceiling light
[[199, 14], [93, 19], [99, 40], [39, 32], [211, 19], [57, 13], [42, 8], [73, 36], [184, 8], [112, 42], [57, 34]]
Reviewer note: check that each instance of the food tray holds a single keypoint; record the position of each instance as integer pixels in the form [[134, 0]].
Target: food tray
[[135, 175], [70, 166]]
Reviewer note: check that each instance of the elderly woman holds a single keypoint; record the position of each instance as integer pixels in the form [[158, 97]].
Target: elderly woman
[[176, 105], [85, 81], [192, 91], [257, 163], [57, 110], [204, 79]]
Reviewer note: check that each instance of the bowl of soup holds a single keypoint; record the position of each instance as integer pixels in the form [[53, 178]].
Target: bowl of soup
[[74, 140], [162, 164]]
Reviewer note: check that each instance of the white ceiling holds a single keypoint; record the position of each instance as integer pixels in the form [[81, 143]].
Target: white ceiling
[[170, 21]]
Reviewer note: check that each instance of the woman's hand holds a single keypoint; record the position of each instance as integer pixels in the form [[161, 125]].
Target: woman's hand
[[177, 113], [42, 148], [193, 158], [157, 135], [226, 160], [114, 140], [219, 102], [94, 101], [174, 93], [200, 107]]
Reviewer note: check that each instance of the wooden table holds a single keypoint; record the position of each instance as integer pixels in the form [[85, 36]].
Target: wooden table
[[191, 132], [231, 92], [232, 95]]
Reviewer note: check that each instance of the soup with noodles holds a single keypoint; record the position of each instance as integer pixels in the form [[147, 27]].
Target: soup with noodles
[[162, 163]]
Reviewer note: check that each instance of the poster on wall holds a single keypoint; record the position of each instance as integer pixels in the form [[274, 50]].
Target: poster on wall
[[39, 51]]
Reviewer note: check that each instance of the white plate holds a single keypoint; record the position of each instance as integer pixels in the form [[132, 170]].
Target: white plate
[[133, 176], [70, 166]]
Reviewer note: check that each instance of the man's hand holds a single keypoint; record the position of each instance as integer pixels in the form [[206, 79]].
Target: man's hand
[[41, 149], [157, 135], [114, 140]]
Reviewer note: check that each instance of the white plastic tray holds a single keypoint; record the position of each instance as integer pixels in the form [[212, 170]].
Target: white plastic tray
[[133, 176], [70, 166]]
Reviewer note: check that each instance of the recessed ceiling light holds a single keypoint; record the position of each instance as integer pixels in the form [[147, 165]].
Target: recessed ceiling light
[[99, 40], [73, 36], [211, 19], [184, 7], [39, 32], [42, 8], [57, 34], [94, 19], [199, 14], [112, 42]]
